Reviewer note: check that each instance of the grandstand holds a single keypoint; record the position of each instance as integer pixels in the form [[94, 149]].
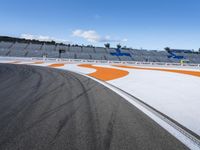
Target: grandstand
[[15, 47]]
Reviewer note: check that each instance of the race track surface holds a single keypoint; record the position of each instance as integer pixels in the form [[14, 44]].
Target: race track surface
[[48, 109]]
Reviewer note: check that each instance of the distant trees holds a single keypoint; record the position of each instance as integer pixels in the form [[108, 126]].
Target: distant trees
[[124, 47], [52, 42], [89, 46], [119, 46], [23, 40], [107, 45], [167, 49]]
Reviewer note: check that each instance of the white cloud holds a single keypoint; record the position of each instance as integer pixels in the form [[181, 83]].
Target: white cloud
[[93, 36], [42, 38], [89, 35]]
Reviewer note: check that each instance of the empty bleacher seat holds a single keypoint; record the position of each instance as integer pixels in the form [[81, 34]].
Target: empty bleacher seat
[[52, 54], [111, 50], [4, 52], [96, 56], [34, 46], [69, 55], [83, 56], [5, 45], [88, 50], [35, 53], [100, 50], [138, 58], [75, 49], [125, 51], [135, 52], [47, 47], [62, 47], [125, 58], [19, 46], [17, 53], [110, 57]]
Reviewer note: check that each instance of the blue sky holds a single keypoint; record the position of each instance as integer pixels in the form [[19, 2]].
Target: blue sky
[[148, 24]]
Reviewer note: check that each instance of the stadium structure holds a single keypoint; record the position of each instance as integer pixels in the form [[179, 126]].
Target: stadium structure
[[14, 47], [62, 96]]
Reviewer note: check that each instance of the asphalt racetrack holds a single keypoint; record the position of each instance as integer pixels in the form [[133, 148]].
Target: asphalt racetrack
[[49, 109]]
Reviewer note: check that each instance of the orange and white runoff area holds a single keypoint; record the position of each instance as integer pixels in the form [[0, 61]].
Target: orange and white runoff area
[[174, 91]]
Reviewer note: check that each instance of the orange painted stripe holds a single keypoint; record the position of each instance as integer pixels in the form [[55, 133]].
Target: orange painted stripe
[[56, 65], [188, 72], [105, 74], [37, 62]]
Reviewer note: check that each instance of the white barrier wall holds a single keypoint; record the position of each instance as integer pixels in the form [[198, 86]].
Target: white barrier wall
[[156, 64]]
